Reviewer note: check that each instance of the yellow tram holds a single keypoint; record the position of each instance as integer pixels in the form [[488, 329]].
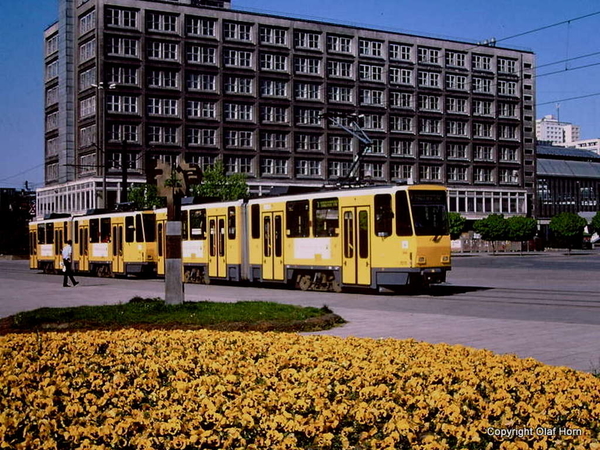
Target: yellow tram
[[384, 236]]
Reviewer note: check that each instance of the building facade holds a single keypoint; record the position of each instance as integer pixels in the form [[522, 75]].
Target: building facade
[[592, 145], [550, 129], [191, 80]]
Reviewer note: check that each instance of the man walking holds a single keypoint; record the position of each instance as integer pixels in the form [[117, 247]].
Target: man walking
[[67, 257]]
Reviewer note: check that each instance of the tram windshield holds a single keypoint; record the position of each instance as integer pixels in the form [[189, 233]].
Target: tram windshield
[[429, 212]]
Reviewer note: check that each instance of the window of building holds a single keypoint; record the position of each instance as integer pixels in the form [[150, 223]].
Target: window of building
[[308, 168], [484, 153], [456, 82], [428, 55], [456, 59], [457, 151], [239, 85], [239, 111], [509, 154], [87, 22], [240, 164], [508, 110], [402, 171], [400, 52], [430, 173], [163, 134], [482, 85], [372, 170], [457, 128], [239, 139], [201, 54], [87, 107], [87, 136], [307, 66], [118, 46], [482, 62], [339, 169], [52, 121], [202, 82], [206, 137], [402, 100], [457, 105], [273, 36], [306, 116], [484, 175], [274, 62], [121, 104], [430, 149], [401, 124], [340, 69], [308, 91], [273, 114], [457, 173], [52, 45], [341, 94], [167, 51], [339, 44], [429, 79], [507, 65], [372, 97], [122, 18], [308, 142], [509, 176], [87, 78], [160, 22], [507, 88], [340, 144], [369, 72], [200, 26], [401, 147], [430, 126], [118, 132], [237, 31], [510, 132], [373, 122], [163, 106], [273, 141], [273, 88], [483, 108], [123, 75], [367, 47], [237, 58], [307, 40], [483, 130], [197, 109], [274, 166], [163, 78], [430, 103]]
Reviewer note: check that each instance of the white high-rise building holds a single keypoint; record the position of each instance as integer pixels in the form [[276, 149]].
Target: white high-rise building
[[550, 129]]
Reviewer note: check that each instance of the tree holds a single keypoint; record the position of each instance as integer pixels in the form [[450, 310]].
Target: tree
[[493, 228], [456, 223], [568, 228], [145, 197], [216, 184], [521, 228], [595, 223]]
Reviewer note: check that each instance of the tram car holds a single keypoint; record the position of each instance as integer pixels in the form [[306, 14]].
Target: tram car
[[104, 244], [373, 237]]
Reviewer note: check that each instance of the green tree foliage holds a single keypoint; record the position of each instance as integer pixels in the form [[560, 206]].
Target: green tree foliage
[[595, 223], [521, 228], [216, 184], [457, 224], [568, 228], [493, 228], [145, 197]]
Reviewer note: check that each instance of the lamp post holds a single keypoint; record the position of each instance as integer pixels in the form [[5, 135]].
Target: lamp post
[[100, 123]]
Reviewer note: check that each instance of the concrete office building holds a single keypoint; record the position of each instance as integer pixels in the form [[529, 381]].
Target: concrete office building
[[550, 129], [193, 80]]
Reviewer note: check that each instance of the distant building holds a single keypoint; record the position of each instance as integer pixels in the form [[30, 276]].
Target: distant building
[[127, 81], [568, 180], [549, 129], [592, 145]]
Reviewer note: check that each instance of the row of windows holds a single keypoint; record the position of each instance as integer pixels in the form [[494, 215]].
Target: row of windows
[[276, 62], [307, 40]]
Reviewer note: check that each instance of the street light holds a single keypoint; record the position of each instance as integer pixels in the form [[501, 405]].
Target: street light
[[101, 134]]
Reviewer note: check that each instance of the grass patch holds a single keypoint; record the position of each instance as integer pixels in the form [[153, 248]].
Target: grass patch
[[150, 313]]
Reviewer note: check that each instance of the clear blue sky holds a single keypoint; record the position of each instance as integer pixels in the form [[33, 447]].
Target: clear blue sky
[[22, 24]]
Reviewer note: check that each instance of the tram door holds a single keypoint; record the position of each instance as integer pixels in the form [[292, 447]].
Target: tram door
[[84, 242], [272, 238], [162, 246], [356, 252], [118, 265], [217, 265]]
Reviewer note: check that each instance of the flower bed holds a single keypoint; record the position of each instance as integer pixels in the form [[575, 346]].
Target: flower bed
[[133, 389]]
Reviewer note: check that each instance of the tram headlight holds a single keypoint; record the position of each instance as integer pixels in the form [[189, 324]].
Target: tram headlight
[[421, 260]]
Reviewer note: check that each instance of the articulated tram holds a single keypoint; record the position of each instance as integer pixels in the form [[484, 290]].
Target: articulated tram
[[385, 236]]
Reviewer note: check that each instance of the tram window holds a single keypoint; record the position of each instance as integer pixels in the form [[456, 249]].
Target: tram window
[[231, 222], [105, 229], [76, 231], [129, 229], [41, 233], [278, 239], [255, 221], [363, 234], [94, 230], [325, 217], [383, 215], [212, 238], [403, 224], [429, 212], [297, 219], [50, 233], [114, 242], [267, 237], [198, 224], [149, 227], [139, 228], [221, 237], [184, 226], [160, 238], [66, 231], [348, 234]]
